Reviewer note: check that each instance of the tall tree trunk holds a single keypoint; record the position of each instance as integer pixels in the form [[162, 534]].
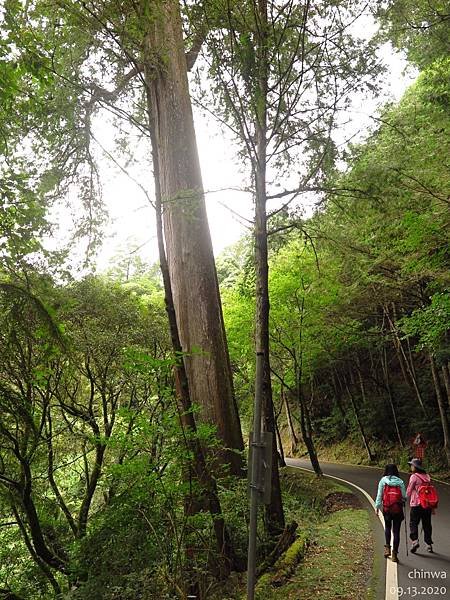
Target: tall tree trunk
[[403, 360], [190, 257], [274, 511], [305, 425], [363, 392], [281, 458], [359, 422], [338, 391], [411, 359], [384, 364], [442, 408], [362, 387], [39, 544], [305, 421], [292, 434], [46, 570], [198, 469], [372, 365], [446, 378]]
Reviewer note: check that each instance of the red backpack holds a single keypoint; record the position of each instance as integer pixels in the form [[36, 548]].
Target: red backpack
[[428, 496], [392, 499]]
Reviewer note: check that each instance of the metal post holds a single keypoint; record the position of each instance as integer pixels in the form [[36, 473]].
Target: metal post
[[406, 531], [255, 484]]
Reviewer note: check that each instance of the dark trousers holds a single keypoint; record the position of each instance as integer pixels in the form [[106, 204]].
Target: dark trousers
[[418, 514], [392, 523]]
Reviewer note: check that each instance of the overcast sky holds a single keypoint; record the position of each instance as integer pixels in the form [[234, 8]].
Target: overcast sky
[[131, 224]]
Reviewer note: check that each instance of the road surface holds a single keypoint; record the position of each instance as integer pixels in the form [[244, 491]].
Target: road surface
[[422, 576]]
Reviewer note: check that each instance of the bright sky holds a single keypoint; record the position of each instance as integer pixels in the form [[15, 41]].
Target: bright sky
[[131, 223]]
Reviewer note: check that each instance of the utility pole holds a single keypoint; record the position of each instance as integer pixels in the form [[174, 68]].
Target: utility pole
[[260, 473], [255, 481]]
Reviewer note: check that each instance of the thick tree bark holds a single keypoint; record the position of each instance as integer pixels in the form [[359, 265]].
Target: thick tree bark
[[442, 408], [190, 257], [209, 498]]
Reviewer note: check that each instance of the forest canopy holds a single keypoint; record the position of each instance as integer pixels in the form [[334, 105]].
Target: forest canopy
[[127, 397]]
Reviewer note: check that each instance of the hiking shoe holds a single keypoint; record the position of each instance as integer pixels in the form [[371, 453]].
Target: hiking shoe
[[415, 546], [430, 548], [387, 551], [394, 557]]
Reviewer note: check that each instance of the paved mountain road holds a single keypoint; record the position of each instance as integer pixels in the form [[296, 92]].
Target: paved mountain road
[[422, 576]]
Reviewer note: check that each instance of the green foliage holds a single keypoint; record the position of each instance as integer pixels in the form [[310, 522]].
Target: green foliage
[[90, 426], [54, 58], [420, 27], [430, 325], [378, 247], [343, 560], [94, 469], [143, 518], [66, 398], [289, 69]]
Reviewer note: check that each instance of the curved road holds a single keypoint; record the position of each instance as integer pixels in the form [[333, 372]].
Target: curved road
[[421, 576]]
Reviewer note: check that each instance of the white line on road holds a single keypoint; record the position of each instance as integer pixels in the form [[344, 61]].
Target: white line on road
[[391, 590], [377, 468]]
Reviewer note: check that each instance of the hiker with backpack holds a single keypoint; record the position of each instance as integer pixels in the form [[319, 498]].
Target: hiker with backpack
[[423, 500], [391, 498]]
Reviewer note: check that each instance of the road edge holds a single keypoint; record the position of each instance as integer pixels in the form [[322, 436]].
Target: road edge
[[391, 589], [377, 467]]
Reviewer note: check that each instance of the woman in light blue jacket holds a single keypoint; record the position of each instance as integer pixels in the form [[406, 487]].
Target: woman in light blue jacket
[[391, 498]]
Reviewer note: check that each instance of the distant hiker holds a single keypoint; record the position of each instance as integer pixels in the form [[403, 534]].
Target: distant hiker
[[418, 445], [423, 500], [391, 498]]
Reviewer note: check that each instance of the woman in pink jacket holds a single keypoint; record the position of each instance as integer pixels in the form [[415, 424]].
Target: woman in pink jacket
[[417, 514]]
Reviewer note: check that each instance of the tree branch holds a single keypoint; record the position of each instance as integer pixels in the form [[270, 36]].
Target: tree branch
[[193, 52], [99, 93]]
